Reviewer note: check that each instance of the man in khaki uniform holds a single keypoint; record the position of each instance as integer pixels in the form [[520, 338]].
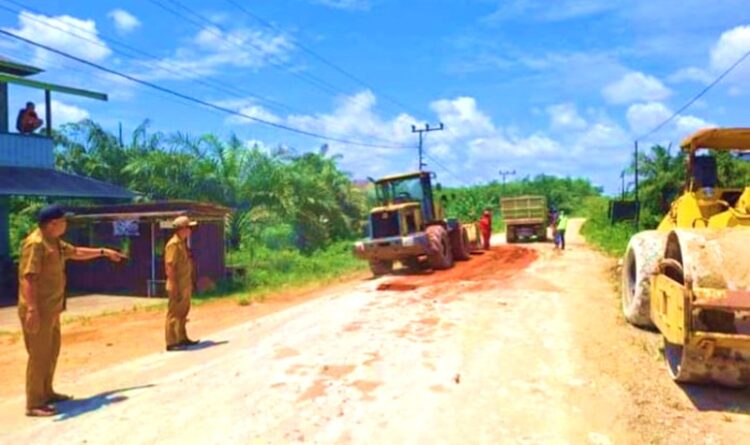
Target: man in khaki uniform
[[41, 275], [180, 274]]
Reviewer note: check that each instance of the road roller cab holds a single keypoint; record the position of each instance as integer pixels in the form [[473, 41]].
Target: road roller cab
[[690, 278]]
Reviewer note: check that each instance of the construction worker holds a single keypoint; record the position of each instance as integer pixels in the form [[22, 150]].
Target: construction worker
[[180, 274], [41, 275], [485, 226], [562, 226], [553, 215], [27, 121]]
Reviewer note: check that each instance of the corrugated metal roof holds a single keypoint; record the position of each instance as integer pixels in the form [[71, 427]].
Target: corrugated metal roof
[[27, 181], [173, 207]]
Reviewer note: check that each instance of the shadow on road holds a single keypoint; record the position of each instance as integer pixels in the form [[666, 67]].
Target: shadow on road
[[206, 344], [712, 398], [78, 407]]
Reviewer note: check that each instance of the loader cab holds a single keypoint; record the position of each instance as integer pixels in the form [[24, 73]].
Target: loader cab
[[405, 205], [408, 188]]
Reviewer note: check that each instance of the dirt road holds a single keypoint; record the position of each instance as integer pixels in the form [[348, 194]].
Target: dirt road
[[519, 345]]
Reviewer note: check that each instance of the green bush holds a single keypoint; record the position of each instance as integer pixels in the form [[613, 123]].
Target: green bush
[[597, 230], [269, 268]]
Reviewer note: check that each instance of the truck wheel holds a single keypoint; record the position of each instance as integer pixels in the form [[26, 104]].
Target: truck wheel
[[379, 267], [542, 234], [439, 251], [643, 252], [460, 244], [510, 235]]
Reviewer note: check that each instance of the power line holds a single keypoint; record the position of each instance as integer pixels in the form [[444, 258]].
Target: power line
[[196, 100], [161, 64], [225, 35], [446, 169], [319, 57], [697, 96]]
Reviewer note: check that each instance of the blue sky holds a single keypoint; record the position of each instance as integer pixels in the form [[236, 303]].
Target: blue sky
[[537, 86]]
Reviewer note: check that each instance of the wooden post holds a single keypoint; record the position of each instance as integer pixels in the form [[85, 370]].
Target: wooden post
[[48, 111], [4, 108]]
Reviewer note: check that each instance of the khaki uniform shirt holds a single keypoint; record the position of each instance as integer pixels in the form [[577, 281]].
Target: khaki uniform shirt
[[44, 258], [177, 255]]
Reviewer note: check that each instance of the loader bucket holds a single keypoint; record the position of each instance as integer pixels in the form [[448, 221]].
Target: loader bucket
[[700, 301]]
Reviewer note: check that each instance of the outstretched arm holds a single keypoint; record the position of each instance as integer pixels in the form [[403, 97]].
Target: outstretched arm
[[90, 253]]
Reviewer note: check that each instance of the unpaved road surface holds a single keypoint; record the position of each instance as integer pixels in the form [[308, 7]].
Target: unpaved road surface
[[518, 345]]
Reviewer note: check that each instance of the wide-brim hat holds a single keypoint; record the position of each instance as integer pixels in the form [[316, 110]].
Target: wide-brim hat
[[182, 222]]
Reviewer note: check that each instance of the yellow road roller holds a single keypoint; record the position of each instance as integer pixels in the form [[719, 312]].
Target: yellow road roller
[[690, 278]]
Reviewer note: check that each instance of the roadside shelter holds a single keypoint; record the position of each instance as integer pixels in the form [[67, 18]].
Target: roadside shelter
[[141, 231]]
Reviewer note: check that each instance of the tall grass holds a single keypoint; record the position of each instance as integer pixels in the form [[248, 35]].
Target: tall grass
[[268, 269], [610, 238]]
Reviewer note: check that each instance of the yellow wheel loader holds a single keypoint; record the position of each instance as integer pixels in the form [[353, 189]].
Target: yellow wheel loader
[[690, 278], [409, 224]]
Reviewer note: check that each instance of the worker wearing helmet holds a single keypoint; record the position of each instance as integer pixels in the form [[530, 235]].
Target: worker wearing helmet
[[485, 226], [562, 226]]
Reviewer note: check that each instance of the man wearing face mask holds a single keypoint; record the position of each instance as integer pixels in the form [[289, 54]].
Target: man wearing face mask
[[41, 275]]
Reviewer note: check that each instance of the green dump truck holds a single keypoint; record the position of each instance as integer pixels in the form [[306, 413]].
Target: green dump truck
[[525, 217]]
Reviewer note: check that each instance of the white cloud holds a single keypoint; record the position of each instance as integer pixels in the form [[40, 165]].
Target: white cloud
[[643, 117], [545, 11], [635, 87], [728, 49], [472, 144], [565, 116], [66, 33], [63, 113], [690, 74], [212, 50], [348, 5], [248, 107], [124, 21]]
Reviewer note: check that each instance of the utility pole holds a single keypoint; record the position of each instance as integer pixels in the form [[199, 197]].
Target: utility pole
[[505, 173], [637, 202], [421, 132], [622, 178]]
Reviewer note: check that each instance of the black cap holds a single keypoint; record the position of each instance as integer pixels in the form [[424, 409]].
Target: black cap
[[54, 211]]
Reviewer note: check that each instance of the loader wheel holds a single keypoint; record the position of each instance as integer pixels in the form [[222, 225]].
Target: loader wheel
[[379, 267], [460, 244], [643, 252], [439, 252]]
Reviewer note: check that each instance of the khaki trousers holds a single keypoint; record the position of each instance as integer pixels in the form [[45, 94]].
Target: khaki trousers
[[177, 312], [43, 349]]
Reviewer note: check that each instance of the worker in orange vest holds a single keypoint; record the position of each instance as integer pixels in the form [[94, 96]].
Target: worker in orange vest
[[485, 226]]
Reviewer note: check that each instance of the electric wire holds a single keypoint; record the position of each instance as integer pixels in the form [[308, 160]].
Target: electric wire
[[160, 63], [317, 56], [223, 34], [700, 94], [197, 100]]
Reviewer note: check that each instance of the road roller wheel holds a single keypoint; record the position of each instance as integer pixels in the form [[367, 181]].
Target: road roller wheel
[[643, 252]]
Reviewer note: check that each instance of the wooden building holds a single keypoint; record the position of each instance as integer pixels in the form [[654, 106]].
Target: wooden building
[[141, 231]]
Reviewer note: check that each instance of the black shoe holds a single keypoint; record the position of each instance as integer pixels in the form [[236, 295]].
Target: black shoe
[[189, 342], [177, 347]]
